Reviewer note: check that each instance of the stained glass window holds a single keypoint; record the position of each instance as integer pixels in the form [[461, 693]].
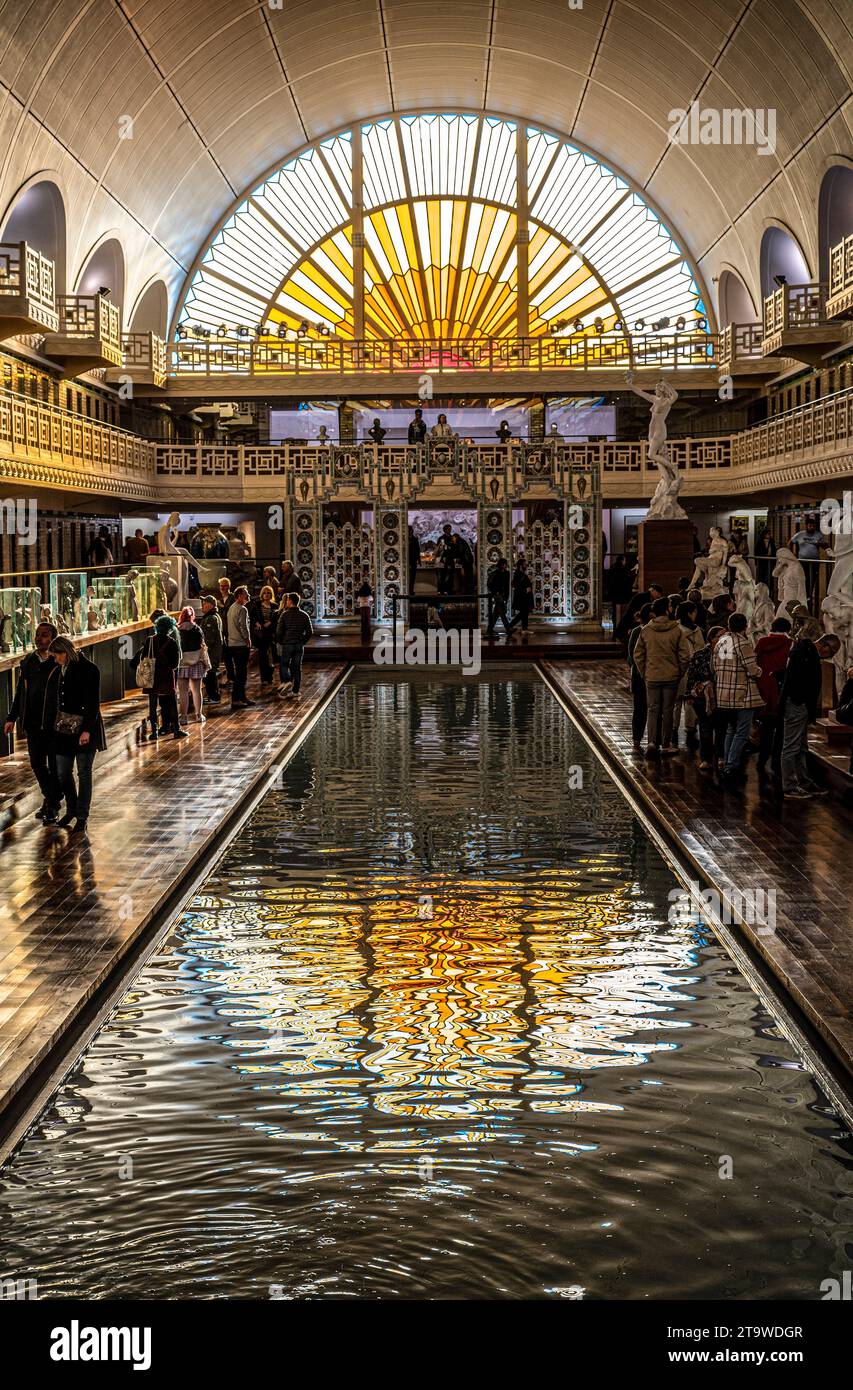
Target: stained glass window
[[441, 241]]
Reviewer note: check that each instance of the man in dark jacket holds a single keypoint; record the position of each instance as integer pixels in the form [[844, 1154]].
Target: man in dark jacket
[[27, 712], [293, 631], [498, 587], [798, 704], [290, 582], [211, 625]]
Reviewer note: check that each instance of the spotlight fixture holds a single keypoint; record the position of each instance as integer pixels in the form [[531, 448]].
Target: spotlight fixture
[[680, 324], [577, 325], [302, 330], [222, 331], [780, 280], [282, 330], [242, 331], [104, 290], [180, 331], [557, 325], [660, 325], [619, 326], [639, 326], [598, 325], [198, 330], [702, 325]]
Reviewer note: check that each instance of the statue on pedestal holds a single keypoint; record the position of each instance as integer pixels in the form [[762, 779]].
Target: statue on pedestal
[[837, 607], [744, 586], [664, 505], [710, 572], [763, 613], [792, 580]]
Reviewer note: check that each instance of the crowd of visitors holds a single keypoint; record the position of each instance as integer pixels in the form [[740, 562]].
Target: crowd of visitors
[[696, 675]]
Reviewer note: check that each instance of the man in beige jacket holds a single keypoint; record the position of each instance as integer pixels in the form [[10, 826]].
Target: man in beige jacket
[[661, 656]]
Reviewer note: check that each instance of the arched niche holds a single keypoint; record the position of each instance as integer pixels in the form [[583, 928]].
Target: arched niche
[[37, 216], [736, 304], [150, 313], [104, 270], [835, 212], [780, 255]]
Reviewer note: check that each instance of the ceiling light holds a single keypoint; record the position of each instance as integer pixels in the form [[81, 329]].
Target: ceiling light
[[640, 325], [222, 331], [578, 325], [680, 324], [598, 325]]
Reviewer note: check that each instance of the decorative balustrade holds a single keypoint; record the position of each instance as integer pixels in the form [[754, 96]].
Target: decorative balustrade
[[795, 306], [27, 287], [53, 446], [820, 426], [144, 351], [741, 342], [310, 356], [840, 297], [90, 316]]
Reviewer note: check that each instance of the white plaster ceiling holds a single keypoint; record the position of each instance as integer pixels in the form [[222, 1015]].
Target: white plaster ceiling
[[222, 90]]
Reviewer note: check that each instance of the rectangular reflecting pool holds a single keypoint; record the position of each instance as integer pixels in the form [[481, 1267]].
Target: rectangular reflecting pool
[[429, 1031]]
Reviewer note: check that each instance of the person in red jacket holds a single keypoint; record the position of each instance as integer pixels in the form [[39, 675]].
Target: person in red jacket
[[771, 653]]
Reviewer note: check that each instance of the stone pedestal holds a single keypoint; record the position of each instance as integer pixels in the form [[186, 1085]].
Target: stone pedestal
[[665, 553]]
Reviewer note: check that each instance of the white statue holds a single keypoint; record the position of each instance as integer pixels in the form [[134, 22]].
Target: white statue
[[710, 572], [763, 612], [837, 607], [792, 581], [664, 505], [744, 586]]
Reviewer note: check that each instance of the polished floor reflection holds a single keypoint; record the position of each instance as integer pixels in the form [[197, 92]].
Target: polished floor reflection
[[428, 1031]]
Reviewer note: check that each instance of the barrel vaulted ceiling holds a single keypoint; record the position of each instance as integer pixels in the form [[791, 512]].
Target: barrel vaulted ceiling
[[220, 92]]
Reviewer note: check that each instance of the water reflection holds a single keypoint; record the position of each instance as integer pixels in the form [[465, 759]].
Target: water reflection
[[430, 1009]]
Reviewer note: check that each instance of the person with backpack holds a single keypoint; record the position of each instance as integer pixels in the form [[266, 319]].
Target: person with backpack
[[293, 632], [194, 666], [164, 651], [685, 616], [662, 655]]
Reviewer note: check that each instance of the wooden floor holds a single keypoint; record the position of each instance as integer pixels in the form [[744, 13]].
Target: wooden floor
[[70, 910], [747, 839]]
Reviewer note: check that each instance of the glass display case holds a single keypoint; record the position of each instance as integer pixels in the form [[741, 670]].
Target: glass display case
[[144, 593], [118, 596], [19, 609], [67, 602]]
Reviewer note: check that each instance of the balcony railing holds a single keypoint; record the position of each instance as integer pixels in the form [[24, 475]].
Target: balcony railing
[[840, 276], [741, 342], [819, 426], [26, 274], [795, 306], [90, 316], [45, 434], [309, 356]]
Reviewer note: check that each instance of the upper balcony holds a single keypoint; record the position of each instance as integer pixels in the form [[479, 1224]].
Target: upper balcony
[[143, 363], [741, 352], [27, 291], [89, 334], [839, 303], [43, 445], [234, 367], [796, 323]]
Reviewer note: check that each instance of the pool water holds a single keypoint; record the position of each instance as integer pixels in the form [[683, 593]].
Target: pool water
[[428, 1031]]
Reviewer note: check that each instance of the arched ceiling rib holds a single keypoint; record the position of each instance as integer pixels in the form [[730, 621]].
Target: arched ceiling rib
[[221, 91]]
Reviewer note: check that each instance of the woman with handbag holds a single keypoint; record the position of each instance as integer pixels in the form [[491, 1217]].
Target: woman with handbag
[[195, 663], [75, 684], [166, 650]]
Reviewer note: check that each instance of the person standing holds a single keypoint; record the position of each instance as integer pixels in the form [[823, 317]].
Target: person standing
[[504, 433], [798, 704], [376, 433], [78, 728], [807, 543], [136, 548], [239, 644], [736, 675], [661, 655], [445, 553], [27, 712], [195, 664], [417, 428], [294, 631], [364, 599], [498, 587], [290, 582], [166, 651], [685, 616], [224, 602], [441, 429], [522, 598], [263, 616], [771, 653], [640, 711], [100, 549], [414, 558], [211, 625]]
